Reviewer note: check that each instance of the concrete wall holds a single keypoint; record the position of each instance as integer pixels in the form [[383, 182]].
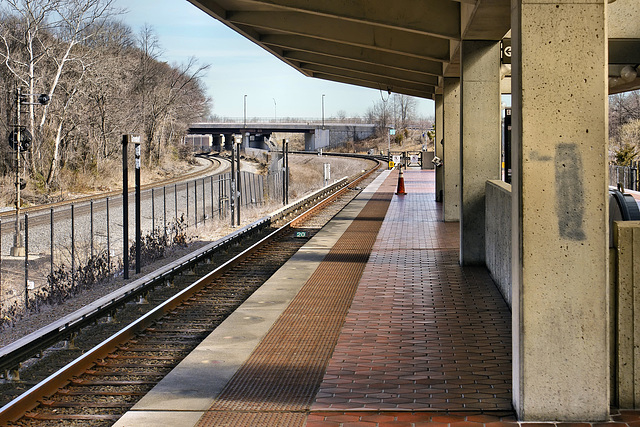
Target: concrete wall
[[338, 135], [626, 343], [498, 235], [335, 136]]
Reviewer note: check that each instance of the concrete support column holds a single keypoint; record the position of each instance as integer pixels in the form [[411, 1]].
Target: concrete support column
[[451, 150], [559, 210], [481, 138], [438, 144]]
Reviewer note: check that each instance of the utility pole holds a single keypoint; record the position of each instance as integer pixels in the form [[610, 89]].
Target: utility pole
[[245, 111], [323, 111]]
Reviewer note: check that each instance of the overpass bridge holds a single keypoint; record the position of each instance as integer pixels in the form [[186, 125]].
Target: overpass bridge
[[257, 135]]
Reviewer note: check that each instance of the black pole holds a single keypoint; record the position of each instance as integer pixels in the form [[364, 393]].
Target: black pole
[[153, 210], [212, 200], [138, 219], [187, 192], [91, 225], [233, 183], [204, 202], [507, 145], [286, 176], [220, 196], [26, 260], [108, 238], [284, 169], [238, 193], [0, 266], [125, 207], [73, 249], [195, 201], [51, 239], [164, 209], [175, 202]]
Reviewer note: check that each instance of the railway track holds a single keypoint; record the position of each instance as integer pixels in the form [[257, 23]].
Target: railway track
[[105, 381], [214, 164]]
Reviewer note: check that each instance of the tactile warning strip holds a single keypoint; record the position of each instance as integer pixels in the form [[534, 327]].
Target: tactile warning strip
[[423, 333], [283, 373]]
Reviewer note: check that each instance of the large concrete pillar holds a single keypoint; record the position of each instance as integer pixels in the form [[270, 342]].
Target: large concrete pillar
[[438, 144], [560, 227], [481, 138], [451, 150]]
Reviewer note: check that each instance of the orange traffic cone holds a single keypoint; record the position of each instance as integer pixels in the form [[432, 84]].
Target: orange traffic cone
[[400, 189]]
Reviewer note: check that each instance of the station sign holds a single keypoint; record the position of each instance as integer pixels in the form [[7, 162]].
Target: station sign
[[505, 51]]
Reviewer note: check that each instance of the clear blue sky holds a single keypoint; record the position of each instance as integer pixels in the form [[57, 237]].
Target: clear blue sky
[[239, 67]]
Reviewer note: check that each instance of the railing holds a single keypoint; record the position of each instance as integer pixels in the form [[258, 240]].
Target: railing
[[627, 176]]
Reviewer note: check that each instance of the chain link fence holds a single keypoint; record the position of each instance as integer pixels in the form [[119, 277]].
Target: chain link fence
[[68, 248]]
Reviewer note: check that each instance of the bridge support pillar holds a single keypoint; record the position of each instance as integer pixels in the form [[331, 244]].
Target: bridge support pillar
[[560, 226], [438, 147], [451, 150], [480, 141]]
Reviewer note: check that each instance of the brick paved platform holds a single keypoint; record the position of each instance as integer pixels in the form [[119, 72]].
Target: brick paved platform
[[403, 337]]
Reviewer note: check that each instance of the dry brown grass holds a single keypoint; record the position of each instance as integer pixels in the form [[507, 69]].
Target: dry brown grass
[[106, 177], [307, 172], [410, 140]]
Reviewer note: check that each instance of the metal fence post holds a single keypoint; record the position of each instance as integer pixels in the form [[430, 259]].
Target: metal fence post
[[26, 261], [164, 209], [73, 250], [204, 203], [175, 201], [91, 226], [108, 238], [220, 195], [195, 201], [153, 210], [51, 239], [1, 298], [187, 191]]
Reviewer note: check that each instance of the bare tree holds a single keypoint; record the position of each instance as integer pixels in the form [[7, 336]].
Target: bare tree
[[163, 93], [104, 82], [52, 31], [406, 109]]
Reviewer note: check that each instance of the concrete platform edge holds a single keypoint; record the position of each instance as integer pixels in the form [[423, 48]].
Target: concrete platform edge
[[182, 396]]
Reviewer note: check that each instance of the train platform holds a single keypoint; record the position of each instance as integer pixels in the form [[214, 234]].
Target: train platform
[[372, 323]]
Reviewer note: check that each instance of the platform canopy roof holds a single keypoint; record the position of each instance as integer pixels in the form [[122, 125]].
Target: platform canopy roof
[[401, 46]]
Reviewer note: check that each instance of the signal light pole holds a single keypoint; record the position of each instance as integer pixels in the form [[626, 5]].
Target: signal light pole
[[20, 139]]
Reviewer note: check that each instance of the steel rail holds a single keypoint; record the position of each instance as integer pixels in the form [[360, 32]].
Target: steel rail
[[116, 193], [12, 355], [28, 400]]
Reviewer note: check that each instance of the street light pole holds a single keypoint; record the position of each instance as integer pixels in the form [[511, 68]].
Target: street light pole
[[323, 111], [275, 110], [245, 111]]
